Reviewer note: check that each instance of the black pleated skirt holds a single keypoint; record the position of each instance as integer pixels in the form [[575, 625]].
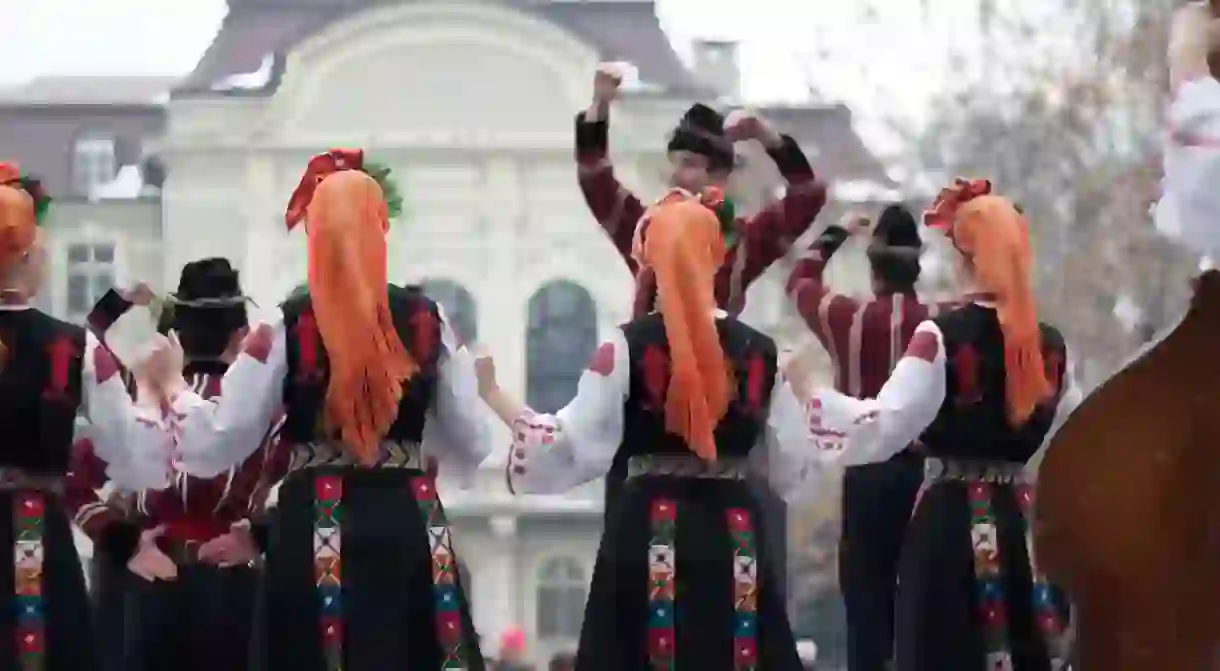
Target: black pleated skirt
[[968, 597], [361, 576], [47, 624], [682, 581]]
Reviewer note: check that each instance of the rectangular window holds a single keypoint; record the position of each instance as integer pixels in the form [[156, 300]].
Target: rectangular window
[[94, 163], [90, 274]]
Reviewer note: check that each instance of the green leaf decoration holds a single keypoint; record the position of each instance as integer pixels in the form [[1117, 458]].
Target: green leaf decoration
[[727, 214], [393, 195]]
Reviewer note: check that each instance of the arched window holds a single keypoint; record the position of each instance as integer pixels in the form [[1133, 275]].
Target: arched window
[[459, 306], [562, 588], [562, 335]]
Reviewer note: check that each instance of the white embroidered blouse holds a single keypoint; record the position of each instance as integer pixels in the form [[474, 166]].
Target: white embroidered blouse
[[1189, 209], [214, 434]]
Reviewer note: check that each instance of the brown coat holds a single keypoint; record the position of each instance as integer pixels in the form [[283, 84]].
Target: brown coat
[[1128, 516]]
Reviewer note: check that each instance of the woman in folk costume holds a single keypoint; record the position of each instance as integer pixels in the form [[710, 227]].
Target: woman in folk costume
[[1137, 545], [172, 559], [688, 400], [979, 387], [49, 370], [360, 573]]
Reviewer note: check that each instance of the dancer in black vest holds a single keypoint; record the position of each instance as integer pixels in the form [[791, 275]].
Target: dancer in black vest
[[685, 401]]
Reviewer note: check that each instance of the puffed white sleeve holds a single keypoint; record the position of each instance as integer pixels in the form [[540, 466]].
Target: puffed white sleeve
[[211, 435], [849, 431], [1070, 397], [1189, 209], [790, 465], [555, 453], [132, 439], [456, 433]]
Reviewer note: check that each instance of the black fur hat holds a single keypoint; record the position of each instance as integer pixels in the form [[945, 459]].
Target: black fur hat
[[701, 131], [208, 306], [895, 247]]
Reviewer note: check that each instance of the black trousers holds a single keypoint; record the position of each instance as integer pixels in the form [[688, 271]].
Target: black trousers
[[877, 504]]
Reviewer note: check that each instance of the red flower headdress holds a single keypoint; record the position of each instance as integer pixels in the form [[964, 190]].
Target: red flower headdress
[[944, 209]]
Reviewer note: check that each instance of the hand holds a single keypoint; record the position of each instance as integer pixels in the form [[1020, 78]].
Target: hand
[[236, 548], [149, 562], [140, 295], [485, 371], [606, 83], [855, 223], [1194, 33], [235, 345], [744, 125], [160, 367]]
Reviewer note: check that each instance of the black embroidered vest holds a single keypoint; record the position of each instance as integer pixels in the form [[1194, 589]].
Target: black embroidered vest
[[418, 323], [752, 359], [972, 423], [40, 390]]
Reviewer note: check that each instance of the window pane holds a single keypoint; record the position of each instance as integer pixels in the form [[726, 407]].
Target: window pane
[[78, 254], [562, 335], [103, 253], [78, 294], [102, 282]]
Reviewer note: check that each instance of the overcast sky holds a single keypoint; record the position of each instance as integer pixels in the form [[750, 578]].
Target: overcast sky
[[891, 59]]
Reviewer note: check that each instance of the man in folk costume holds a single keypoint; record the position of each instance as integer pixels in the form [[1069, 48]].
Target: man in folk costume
[[691, 399], [49, 371], [1126, 516], [183, 569], [701, 156], [865, 340], [360, 573], [980, 387]]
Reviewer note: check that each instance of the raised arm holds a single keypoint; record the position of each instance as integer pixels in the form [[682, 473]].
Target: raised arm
[[455, 430], [612, 204], [554, 453], [130, 438], [850, 431], [769, 234], [1189, 210], [214, 434], [824, 311], [785, 457]]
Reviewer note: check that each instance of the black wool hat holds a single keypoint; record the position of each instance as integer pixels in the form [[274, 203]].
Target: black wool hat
[[896, 234], [701, 131], [209, 294]]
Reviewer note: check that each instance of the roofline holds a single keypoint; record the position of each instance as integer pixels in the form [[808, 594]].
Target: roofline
[[81, 106]]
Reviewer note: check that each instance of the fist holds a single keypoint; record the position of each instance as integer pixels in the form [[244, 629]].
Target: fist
[[742, 125], [485, 371], [140, 294], [855, 222], [606, 83]]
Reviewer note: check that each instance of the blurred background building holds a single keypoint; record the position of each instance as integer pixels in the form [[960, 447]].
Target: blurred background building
[[472, 106]]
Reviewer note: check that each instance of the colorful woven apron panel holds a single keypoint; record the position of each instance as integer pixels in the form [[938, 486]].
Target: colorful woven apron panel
[[449, 632], [662, 572], [1049, 620], [328, 514], [29, 517], [745, 589], [988, 577]]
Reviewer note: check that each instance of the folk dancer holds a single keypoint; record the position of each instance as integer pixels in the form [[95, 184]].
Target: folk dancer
[[865, 340], [1136, 547], [690, 398], [173, 557], [980, 387], [50, 370], [360, 573], [701, 157]]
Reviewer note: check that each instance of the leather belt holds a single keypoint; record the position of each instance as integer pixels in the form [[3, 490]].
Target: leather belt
[[683, 466]]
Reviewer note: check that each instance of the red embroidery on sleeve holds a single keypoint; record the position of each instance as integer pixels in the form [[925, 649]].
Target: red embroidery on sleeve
[[61, 353], [656, 376], [755, 373], [924, 346], [258, 344], [966, 363], [603, 360], [423, 329], [308, 351]]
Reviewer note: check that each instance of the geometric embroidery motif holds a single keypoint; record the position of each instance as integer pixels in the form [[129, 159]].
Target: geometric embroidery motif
[[745, 589], [445, 588], [328, 512], [988, 577], [662, 574], [29, 511], [1046, 610]]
